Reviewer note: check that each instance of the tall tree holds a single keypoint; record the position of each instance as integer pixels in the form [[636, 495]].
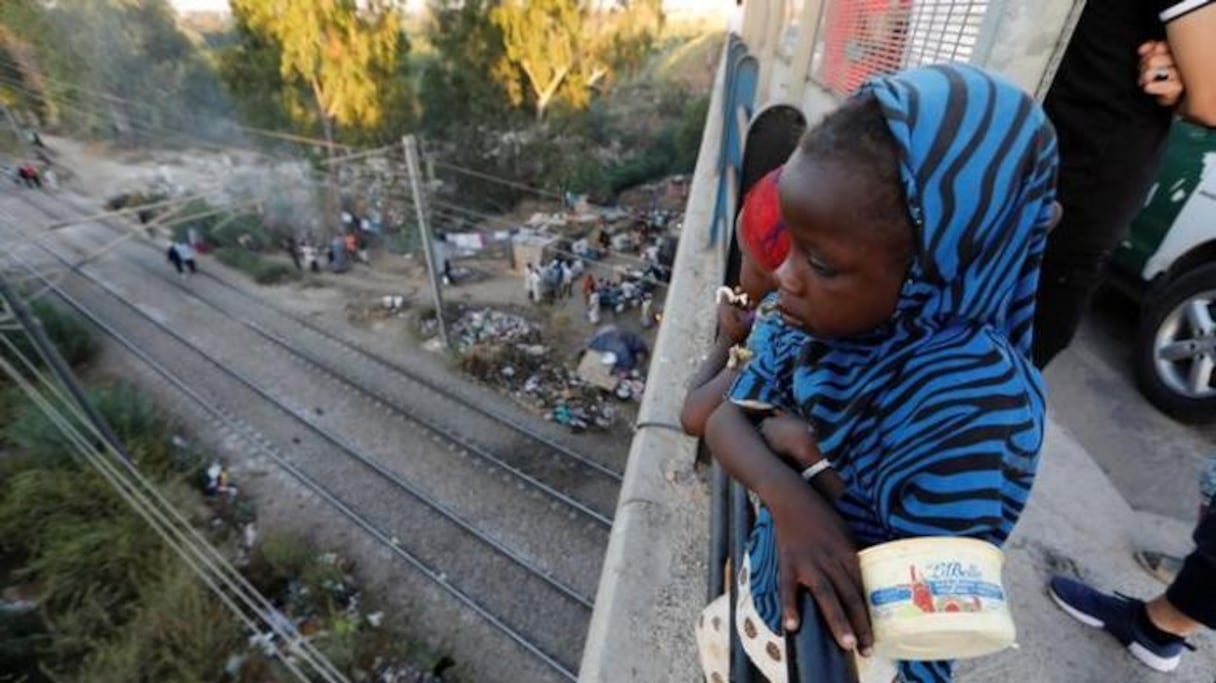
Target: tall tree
[[541, 38], [464, 81], [563, 49], [342, 51]]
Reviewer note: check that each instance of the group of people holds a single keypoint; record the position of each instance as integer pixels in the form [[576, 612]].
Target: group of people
[[552, 282], [627, 291], [884, 379], [343, 249]]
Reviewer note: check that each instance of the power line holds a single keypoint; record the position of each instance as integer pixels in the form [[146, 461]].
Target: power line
[[497, 179], [188, 544]]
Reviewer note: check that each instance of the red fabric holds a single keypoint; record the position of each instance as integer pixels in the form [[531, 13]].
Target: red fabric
[[762, 231]]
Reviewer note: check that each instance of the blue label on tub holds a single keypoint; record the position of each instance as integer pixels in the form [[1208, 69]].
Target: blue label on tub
[[942, 588], [886, 596]]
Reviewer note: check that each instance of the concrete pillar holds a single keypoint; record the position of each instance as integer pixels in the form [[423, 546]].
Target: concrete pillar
[[1025, 40], [768, 52], [800, 61]]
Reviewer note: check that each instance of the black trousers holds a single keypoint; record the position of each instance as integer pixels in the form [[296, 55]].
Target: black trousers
[[1099, 207], [1193, 592]]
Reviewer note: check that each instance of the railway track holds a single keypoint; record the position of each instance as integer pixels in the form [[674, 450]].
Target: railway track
[[514, 534]]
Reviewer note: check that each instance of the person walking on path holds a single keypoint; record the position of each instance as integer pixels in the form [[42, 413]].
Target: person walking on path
[[567, 287], [293, 252], [175, 258], [588, 287], [311, 257], [186, 253], [593, 307], [532, 284], [1112, 129], [29, 174]]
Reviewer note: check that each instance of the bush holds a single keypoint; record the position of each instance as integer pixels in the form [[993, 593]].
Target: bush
[[145, 432], [72, 338], [263, 271], [227, 233], [220, 229], [176, 632], [688, 134]]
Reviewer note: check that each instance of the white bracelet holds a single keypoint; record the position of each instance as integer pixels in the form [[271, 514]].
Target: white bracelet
[[816, 469]]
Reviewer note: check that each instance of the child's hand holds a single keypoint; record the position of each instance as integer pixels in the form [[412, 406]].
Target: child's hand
[[734, 322], [791, 438], [815, 550]]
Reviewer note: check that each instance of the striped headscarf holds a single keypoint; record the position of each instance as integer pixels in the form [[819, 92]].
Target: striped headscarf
[[935, 420]]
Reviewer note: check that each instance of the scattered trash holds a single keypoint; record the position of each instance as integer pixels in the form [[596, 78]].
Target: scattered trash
[[375, 619], [233, 666], [487, 325], [503, 350]]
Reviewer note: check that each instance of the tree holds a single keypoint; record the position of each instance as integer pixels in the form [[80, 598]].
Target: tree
[[563, 49], [541, 39], [116, 67], [463, 82], [343, 52]]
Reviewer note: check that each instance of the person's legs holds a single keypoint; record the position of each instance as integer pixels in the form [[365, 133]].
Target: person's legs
[[1193, 592], [1099, 206], [191, 266], [1074, 265]]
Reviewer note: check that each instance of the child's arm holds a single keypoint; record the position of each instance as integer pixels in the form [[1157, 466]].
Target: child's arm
[[814, 547], [702, 400], [794, 439], [713, 379]]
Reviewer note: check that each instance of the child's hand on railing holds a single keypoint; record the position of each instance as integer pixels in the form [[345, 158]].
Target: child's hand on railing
[[815, 550]]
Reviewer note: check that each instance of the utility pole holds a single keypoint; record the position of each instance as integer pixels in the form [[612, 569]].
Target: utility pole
[[411, 166]]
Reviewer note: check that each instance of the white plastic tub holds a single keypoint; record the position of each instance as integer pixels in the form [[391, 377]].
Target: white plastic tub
[[937, 598]]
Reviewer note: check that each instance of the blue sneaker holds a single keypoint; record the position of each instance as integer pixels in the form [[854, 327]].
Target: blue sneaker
[[1120, 616]]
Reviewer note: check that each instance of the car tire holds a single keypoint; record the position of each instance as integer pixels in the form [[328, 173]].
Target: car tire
[[1175, 351]]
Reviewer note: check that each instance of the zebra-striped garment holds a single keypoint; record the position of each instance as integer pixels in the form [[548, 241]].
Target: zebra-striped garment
[[766, 386], [935, 421]]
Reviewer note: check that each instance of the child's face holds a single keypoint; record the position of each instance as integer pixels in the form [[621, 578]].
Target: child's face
[[842, 278]]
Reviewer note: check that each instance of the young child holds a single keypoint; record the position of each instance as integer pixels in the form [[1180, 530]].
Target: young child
[[763, 245], [917, 214]]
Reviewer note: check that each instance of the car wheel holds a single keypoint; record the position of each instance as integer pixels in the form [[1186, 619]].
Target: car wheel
[[1176, 347]]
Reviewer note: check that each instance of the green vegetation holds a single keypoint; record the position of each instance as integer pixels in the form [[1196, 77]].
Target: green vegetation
[[69, 334], [105, 600], [262, 270], [558, 94], [342, 54], [120, 70]]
